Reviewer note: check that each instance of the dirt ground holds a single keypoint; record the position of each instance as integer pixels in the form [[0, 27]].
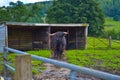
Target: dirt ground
[[56, 73]]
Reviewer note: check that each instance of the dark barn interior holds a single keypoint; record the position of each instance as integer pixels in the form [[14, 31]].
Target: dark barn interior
[[27, 37], [31, 36]]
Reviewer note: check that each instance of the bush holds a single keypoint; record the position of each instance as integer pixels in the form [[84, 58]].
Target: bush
[[113, 33]]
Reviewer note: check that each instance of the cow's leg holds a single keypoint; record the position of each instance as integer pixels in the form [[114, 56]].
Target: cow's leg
[[52, 53], [64, 53], [59, 55], [56, 54]]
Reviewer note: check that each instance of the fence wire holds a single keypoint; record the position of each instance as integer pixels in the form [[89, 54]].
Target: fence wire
[[97, 43]]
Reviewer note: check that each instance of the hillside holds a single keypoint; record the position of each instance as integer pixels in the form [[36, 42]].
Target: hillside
[[110, 8], [110, 24], [112, 28]]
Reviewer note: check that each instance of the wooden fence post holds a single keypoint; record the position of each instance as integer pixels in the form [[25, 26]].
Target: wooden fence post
[[23, 67], [110, 41]]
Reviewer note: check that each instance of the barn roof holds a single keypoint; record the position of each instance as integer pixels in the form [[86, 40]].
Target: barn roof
[[42, 24]]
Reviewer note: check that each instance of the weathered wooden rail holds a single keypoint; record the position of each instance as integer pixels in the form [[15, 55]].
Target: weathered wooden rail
[[74, 69]]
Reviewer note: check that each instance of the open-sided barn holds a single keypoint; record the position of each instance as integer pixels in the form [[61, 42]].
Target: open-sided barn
[[27, 36]]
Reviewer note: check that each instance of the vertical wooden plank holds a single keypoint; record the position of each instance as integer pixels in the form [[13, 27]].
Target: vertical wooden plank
[[67, 39], [23, 67], [80, 38], [86, 33], [6, 35], [76, 40], [49, 39]]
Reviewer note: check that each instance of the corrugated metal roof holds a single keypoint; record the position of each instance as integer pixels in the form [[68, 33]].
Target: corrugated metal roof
[[42, 24]]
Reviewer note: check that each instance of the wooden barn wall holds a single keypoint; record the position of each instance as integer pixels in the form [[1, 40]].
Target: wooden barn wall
[[81, 38], [71, 39], [40, 38], [27, 38], [20, 38], [2, 37], [76, 38], [55, 29]]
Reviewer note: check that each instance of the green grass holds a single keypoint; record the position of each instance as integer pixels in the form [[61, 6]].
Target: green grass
[[102, 43], [97, 56], [1, 63], [37, 65], [105, 60], [111, 24]]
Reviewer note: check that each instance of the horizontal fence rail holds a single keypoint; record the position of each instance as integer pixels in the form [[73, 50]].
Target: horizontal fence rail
[[10, 68], [73, 68]]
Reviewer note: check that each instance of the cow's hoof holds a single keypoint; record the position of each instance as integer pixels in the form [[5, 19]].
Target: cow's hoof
[[52, 57], [64, 58]]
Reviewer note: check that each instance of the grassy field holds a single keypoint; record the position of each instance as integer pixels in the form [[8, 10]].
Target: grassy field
[[103, 60], [102, 43], [110, 24], [98, 56]]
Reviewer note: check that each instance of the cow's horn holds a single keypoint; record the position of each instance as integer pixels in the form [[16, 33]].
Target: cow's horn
[[65, 32], [52, 34]]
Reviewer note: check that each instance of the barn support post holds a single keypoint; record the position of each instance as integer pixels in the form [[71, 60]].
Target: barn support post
[[86, 33], [49, 41], [6, 35], [76, 40], [23, 67]]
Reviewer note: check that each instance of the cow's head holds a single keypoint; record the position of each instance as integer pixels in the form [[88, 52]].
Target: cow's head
[[59, 35]]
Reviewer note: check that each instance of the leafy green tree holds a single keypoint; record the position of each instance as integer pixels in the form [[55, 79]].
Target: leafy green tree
[[34, 15], [77, 11], [15, 12], [4, 16], [110, 8], [19, 12]]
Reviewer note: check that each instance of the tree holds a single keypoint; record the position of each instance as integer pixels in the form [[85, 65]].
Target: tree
[[19, 12], [111, 8], [34, 13], [4, 16], [77, 11]]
